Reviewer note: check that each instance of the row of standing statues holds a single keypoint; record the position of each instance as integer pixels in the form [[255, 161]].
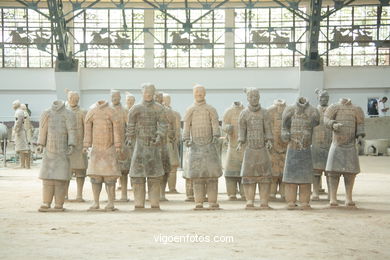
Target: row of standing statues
[[282, 148]]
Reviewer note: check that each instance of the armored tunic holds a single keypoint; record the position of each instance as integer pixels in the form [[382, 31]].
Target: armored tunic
[[56, 134], [343, 155], [146, 122], [201, 126], [19, 132], [102, 132], [29, 128], [78, 159], [298, 122], [255, 131], [230, 126], [279, 147], [322, 138], [124, 158], [173, 134]]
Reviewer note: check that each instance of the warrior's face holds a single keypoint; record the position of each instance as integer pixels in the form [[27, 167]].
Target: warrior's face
[[253, 98], [324, 100], [166, 100], [73, 99], [115, 98], [158, 97], [148, 94], [130, 100], [199, 94]]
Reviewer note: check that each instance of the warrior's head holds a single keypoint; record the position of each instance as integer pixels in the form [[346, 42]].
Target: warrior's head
[[73, 97], [158, 97], [323, 97], [115, 97], [253, 96], [130, 100], [199, 92], [166, 100], [16, 104], [148, 90]]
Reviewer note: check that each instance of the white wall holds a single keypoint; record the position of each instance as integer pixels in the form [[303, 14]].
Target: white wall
[[37, 87]]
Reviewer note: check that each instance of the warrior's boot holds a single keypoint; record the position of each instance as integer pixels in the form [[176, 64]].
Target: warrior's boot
[[80, 185], [154, 186], [124, 180], [163, 185], [138, 185], [172, 181], [291, 195], [264, 195], [47, 195], [110, 187], [349, 180], [250, 190], [242, 192], [67, 190], [304, 196], [96, 189], [59, 195], [316, 187], [189, 190], [274, 188], [333, 186], [199, 192], [282, 190], [212, 193], [231, 188]]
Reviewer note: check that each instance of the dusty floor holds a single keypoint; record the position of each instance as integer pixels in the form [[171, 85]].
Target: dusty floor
[[321, 233]]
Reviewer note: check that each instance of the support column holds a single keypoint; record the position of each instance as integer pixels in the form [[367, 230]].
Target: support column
[[308, 82], [229, 38], [148, 38]]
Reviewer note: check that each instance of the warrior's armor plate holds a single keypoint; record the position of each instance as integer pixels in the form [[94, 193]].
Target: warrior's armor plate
[[230, 126], [279, 147], [343, 155], [146, 121], [298, 122], [200, 126], [255, 131], [102, 132], [56, 134], [124, 158]]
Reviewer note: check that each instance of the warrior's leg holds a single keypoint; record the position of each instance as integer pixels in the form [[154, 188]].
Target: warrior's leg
[[80, 179], [172, 180], [154, 186], [334, 180], [231, 188], [22, 155], [212, 192], [67, 190], [47, 194], [264, 188], [304, 195], [138, 184], [27, 158], [328, 185], [241, 187], [291, 194], [316, 185], [97, 183], [59, 195], [282, 189], [124, 180], [163, 185], [274, 187], [189, 190], [250, 191], [199, 192], [349, 180], [110, 188]]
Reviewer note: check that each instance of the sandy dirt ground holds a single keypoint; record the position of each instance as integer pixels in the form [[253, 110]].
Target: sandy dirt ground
[[321, 233]]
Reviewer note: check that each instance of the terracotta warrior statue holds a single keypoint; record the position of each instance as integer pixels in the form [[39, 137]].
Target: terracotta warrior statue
[[174, 136], [57, 138], [322, 138], [22, 146], [123, 157], [347, 123], [233, 162], [146, 130], [158, 98], [279, 148], [201, 134], [298, 122], [255, 132], [78, 159], [128, 149], [103, 132]]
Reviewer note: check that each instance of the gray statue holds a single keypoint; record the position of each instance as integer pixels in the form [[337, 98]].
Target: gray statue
[[279, 148], [201, 133], [322, 138], [233, 162], [78, 159], [22, 146], [255, 132], [347, 123], [298, 122], [103, 132], [146, 128], [57, 137]]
